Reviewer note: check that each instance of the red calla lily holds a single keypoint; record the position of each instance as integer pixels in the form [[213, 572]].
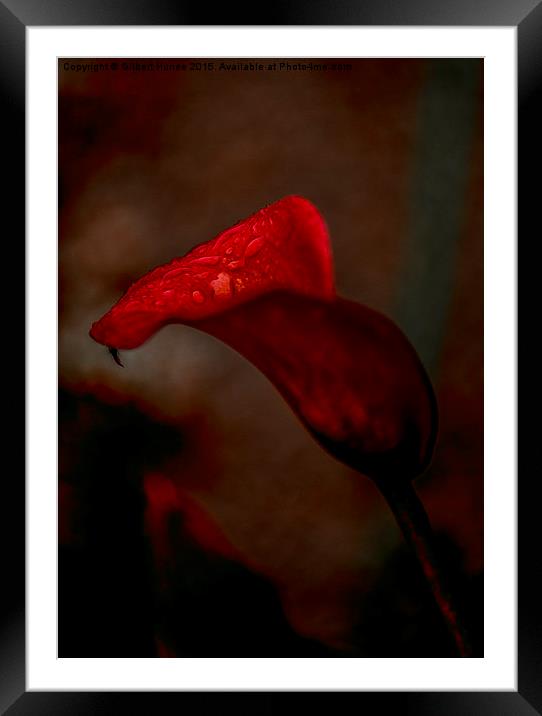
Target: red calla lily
[[283, 246], [266, 288]]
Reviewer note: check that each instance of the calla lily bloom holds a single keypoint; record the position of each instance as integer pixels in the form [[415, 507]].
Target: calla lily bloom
[[283, 246], [266, 288]]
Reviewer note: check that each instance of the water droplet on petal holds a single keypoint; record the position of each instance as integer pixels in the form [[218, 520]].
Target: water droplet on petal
[[221, 286], [206, 261], [225, 235], [254, 246], [198, 297], [234, 265], [174, 272], [229, 250]]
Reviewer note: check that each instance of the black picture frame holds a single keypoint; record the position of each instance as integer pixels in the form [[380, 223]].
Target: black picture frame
[[15, 16]]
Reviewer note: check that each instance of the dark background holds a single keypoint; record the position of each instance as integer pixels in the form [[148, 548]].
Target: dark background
[[197, 517]]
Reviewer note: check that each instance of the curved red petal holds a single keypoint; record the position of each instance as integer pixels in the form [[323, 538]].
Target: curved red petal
[[347, 371], [282, 246], [265, 287]]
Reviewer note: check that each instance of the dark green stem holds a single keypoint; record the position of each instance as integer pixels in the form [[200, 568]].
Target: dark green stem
[[412, 518]]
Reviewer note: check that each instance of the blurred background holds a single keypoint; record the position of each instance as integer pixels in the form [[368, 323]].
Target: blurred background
[[197, 517]]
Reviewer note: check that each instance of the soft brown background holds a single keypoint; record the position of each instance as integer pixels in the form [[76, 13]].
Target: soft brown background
[[188, 449]]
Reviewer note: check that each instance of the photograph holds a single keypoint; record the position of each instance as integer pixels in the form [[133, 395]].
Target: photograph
[[270, 357]]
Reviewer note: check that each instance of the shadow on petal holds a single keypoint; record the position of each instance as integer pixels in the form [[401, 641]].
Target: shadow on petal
[[347, 371]]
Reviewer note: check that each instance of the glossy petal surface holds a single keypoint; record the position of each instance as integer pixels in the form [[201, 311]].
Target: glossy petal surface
[[282, 246], [265, 287]]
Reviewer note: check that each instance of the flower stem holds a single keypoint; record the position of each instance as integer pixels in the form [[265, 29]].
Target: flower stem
[[412, 518]]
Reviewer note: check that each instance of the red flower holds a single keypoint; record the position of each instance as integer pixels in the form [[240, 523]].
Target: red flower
[[266, 288], [283, 246]]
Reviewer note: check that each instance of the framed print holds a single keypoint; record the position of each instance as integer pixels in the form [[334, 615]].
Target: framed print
[[328, 210]]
